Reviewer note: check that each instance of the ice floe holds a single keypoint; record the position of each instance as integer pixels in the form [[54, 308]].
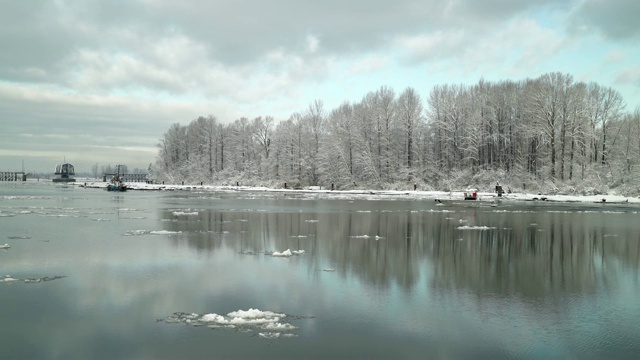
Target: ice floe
[[466, 227], [269, 324], [151, 232], [287, 253], [5, 246], [183, 213], [8, 279]]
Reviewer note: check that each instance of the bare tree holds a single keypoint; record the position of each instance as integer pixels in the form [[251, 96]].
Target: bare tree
[[409, 114]]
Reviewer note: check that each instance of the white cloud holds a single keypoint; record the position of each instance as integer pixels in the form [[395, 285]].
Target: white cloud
[[369, 64], [433, 46], [313, 43], [146, 64], [617, 20]]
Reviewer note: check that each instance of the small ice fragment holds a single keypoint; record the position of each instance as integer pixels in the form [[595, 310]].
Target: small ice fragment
[[9, 279], [285, 253]]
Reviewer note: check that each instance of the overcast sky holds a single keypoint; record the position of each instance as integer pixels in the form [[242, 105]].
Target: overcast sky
[[94, 81]]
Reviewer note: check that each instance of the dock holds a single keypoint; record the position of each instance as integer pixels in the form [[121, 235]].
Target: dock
[[13, 176]]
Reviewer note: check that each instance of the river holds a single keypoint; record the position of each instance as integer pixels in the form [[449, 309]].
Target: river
[[90, 274]]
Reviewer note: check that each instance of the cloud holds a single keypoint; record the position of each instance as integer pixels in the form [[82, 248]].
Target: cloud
[[628, 76], [617, 20], [130, 68]]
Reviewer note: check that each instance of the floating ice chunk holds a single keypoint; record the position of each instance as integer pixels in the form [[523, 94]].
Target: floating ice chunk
[[360, 236], [279, 326], [475, 227], [178, 213], [214, 318], [328, 269], [298, 252], [286, 253], [5, 246], [254, 313], [164, 232], [240, 321], [136, 232], [243, 320], [9, 279]]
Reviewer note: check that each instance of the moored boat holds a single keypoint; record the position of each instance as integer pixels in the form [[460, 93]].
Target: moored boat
[[64, 173], [117, 182]]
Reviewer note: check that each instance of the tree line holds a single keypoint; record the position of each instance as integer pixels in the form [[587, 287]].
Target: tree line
[[551, 131]]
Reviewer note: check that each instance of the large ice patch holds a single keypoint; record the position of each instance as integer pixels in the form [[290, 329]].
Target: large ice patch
[[264, 324]]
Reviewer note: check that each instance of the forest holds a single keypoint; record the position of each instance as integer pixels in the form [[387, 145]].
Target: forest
[[551, 134]]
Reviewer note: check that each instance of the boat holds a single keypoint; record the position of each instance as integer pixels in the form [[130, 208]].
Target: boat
[[117, 181], [64, 173]]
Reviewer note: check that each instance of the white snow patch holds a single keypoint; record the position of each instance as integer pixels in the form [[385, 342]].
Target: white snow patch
[[5, 246]]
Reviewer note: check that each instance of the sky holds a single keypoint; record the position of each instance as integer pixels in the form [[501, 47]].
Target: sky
[[99, 82]]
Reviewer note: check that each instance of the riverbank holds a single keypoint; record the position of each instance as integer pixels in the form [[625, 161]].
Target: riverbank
[[441, 196]]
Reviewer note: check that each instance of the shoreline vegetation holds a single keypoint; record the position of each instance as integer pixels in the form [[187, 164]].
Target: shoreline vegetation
[[442, 197], [548, 135]]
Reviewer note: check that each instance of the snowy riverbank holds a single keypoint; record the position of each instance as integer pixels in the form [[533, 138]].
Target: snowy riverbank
[[414, 194]]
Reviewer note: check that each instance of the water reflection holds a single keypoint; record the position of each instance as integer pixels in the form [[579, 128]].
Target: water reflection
[[485, 251]]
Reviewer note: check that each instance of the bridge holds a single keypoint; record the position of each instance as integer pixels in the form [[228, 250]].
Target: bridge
[[128, 177], [13, 176]]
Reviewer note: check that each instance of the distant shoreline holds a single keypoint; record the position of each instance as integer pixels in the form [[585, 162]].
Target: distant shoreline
[[441, 196]]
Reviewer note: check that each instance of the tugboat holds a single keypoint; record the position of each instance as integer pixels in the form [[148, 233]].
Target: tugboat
[[117, 181], [64, 173]]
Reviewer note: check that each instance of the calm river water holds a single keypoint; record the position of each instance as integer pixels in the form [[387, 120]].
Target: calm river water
[[89, 274]]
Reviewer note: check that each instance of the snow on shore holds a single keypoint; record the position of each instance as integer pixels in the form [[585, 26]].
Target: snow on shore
[[367, 194]]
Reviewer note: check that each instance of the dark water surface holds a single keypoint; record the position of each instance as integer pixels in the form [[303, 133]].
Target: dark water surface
[[96, 275]]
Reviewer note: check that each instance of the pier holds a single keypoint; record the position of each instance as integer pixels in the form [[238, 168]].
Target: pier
[[128, 177], [13, 176]]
